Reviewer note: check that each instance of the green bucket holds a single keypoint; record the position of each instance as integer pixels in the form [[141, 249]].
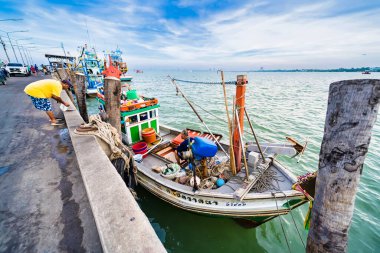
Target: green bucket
[[132, 94]]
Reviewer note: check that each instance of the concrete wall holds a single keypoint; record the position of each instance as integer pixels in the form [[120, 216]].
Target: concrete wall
[[121, 224]]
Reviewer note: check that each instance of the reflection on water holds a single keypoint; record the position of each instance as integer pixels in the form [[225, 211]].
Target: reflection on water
[[280, 104]]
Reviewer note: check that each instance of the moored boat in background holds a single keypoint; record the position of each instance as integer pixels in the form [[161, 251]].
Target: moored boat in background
[[91, 66]]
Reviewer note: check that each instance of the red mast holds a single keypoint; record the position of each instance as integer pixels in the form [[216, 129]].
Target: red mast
[[242, 80]]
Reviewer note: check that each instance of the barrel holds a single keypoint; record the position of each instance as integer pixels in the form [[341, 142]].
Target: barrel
[[140, 148], [149, 135]]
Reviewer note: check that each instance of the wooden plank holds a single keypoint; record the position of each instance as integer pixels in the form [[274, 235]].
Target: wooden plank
[[164, 150]]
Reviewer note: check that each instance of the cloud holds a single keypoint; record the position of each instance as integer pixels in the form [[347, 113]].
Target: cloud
[[224, 34]]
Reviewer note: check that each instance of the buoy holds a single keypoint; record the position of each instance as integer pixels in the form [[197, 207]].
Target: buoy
[[219, 182]]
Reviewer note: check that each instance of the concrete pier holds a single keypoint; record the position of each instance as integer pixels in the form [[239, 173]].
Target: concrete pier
[[54, 196], [43, 204]]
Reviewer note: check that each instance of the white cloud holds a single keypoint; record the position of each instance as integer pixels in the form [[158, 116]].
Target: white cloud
[[309, 35]]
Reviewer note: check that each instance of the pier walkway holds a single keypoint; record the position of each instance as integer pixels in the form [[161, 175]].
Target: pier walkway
[[43, 202], [58, 191]]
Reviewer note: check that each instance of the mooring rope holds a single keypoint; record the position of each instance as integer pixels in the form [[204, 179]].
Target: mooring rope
[[203, 82], [109, 135], [291, 214], [283, 230]]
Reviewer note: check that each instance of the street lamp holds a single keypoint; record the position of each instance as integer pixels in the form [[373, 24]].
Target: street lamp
[[28, 53], [24, 50], [26, 58], [11, 41], [19, 48], [5, 49]]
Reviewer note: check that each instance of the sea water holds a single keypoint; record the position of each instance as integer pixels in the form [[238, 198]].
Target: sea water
[[279, 104]]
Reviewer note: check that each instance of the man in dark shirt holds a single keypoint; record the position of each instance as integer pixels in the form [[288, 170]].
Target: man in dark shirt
[[183, 146]]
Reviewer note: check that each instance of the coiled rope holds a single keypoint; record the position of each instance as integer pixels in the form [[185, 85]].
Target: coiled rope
[[109, 135]]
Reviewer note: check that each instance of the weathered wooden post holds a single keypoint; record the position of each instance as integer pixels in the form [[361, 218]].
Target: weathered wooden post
[[352, 110], [62, 75], [80, 92], [112, 92]]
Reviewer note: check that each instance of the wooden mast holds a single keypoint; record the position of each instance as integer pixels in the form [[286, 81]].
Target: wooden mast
[[232, 157], [241, 82]]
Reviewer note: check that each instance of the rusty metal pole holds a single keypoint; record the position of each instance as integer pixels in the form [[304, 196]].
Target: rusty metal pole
[[352, 110], [112, 92], [80, 92], [239, 105]]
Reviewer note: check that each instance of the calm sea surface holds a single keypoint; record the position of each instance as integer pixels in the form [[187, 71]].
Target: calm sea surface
[[280, 104]]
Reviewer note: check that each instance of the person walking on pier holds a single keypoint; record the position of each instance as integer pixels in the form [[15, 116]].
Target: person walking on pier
[[33, 70], [40, 92]]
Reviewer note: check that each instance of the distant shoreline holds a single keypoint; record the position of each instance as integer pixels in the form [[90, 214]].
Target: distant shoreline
[[376, 69]]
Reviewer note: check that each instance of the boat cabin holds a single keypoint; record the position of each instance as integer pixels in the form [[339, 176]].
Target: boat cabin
[[135, 121], [137, 113]]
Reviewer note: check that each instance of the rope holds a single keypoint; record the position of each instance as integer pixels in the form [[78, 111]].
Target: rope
[[291, 214], [109, 135], [283, 230], [202, 82]]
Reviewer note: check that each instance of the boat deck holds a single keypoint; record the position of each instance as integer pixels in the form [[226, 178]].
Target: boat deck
[[282, 181]]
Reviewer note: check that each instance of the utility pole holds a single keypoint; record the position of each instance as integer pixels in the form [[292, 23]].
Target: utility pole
[[5, 49], [352, 109]]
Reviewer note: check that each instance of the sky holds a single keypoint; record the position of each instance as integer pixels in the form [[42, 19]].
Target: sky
[[201, 34]]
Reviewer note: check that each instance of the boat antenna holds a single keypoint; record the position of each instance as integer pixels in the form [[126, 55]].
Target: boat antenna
[[199, 117], [88, 35]]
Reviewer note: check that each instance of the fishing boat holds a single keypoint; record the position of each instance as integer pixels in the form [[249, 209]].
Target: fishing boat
[[91, 66], [366, 73], [226, 179], [117, 61]]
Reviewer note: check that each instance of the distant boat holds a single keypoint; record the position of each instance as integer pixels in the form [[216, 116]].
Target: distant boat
[[126, 78], [117, 61], [366, 73], [91, 66]]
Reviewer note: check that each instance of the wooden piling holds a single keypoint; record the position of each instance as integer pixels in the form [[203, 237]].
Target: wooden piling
[[352, 110], [112, 92], [62, 75], [80, 92]]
